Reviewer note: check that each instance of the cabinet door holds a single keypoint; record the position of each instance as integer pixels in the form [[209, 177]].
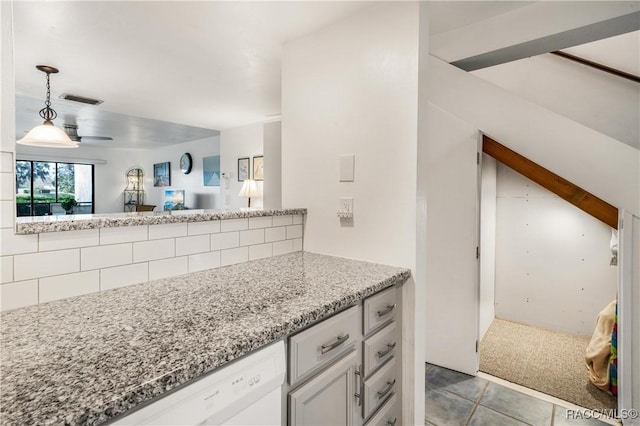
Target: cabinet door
[[327, 399]]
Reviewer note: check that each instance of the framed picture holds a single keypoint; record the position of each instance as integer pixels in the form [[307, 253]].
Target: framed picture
[[173, 199], [211, 170], [162, 174], [258, 167], [243, 169]]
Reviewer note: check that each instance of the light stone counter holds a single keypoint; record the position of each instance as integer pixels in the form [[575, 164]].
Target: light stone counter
[[85, 360], [40, 224]]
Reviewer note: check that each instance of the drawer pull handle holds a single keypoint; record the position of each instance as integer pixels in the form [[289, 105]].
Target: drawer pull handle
[[386, 310], [330, 346], [390, 346], [392, 422], [387, 389]]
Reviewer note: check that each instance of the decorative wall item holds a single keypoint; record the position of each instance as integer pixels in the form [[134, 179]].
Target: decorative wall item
[[162, 174], [211, 170], [173, 199], [243, 169], [186, 163], [258, 167]]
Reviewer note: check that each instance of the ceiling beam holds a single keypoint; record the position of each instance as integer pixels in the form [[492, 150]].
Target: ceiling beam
[[598, 66], [566, 190], [529, 31]]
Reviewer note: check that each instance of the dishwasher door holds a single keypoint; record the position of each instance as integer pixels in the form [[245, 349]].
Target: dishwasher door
[[247, 392]]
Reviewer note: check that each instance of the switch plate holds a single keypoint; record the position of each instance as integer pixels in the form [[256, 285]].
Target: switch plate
[[347, 166], [345, 208]]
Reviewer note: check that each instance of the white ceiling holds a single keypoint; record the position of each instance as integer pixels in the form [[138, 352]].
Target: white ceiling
[[621, 52], [212, 65], [450, 15]]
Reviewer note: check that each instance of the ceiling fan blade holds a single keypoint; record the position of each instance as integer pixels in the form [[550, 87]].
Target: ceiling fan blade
[[96, 138]]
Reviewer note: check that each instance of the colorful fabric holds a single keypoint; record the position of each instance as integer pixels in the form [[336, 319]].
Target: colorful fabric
[[613, 359]]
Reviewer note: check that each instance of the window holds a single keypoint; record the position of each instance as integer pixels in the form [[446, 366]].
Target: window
[[41, 186]]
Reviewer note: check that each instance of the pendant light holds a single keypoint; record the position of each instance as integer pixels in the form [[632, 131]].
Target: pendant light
[[47, 135]]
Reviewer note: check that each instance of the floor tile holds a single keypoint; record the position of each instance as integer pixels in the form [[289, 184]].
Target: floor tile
[[453, 381], [518, 405], [446, 409], [560, 418], [484, 416]]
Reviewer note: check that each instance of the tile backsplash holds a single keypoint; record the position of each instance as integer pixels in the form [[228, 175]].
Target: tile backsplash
[[49, 266]]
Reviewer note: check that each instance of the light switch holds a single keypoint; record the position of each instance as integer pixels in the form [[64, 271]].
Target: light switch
[[347, 165]]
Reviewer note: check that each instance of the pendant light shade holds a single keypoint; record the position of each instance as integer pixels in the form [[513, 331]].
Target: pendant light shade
[[47, 135]]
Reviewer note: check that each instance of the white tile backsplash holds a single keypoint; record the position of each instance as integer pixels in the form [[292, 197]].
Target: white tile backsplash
[[192, 245], [234, 225], [124, 234], [254, 236], [282, 247], [260, 222], [169, 230], [6, 214], [121, 276], [235, 255], [199, 228], [18, 294], [6, 269], [167, 268], [68, 239], [49, 263], [6, 162], [283, 220], [70, 285], [49, 266], [17, 244], [106, 256], [202, 261], [154, 250], [275, 234], [260, 251], [294, 231], [225, 240]]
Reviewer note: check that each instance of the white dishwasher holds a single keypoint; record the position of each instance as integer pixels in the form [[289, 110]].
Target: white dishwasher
[[247, 392]]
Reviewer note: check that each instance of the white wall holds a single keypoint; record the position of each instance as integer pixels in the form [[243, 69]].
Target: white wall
[[352, 88], [197, 196], [601, 101], [272, 196], [603, 166], [240, 142], [552, 259], [487, 243]]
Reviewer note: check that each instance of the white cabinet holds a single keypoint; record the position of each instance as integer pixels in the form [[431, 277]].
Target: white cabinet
[[328, 398], [344, 369]]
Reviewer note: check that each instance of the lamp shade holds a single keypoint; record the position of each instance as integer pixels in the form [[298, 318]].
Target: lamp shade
[[249, 189], [47, 136]]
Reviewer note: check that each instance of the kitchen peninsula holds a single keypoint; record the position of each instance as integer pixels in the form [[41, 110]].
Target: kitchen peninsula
[[88, 359]]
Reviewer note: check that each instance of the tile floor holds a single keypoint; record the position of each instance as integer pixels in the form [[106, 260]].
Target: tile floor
[[456, 399]]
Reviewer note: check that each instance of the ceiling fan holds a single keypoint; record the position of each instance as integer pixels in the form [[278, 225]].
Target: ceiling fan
[[72, 131]]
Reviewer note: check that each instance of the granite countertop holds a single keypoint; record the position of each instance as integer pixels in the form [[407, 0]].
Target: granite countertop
[[87, 359], [39, 224]]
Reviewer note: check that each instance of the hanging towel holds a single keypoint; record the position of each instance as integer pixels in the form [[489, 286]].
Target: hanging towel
[[599, 349], [613, 360]]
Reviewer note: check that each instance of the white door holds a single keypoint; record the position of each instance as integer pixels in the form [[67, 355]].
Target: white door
[[451, 268]]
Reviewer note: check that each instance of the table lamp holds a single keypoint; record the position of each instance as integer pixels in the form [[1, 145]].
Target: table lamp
[[249, 189]]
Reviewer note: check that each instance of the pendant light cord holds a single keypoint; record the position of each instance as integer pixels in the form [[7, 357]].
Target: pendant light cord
[[47, 112]]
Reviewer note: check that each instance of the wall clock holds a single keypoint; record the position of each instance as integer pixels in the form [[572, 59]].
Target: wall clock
[[186, 162]]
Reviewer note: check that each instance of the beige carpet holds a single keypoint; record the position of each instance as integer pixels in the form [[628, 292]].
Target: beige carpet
[[544, 360]]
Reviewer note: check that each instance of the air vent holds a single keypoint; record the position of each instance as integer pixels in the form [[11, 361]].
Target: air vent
[[80, 99]]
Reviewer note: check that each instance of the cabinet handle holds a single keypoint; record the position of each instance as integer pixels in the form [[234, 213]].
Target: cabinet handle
[[386, 310], [360, 387], [384, 353], [392, 422], [330, 346], [387, 389]]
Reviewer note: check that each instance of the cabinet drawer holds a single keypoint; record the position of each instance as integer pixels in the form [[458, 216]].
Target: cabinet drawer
[[379, 387], [379, 309], [379, 348], [317, 346], [389, 414]]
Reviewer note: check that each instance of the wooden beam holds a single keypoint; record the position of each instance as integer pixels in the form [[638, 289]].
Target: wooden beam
[[566, 190], [597, 66]]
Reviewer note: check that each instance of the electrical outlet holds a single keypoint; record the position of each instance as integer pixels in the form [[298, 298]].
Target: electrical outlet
[[345, 208]]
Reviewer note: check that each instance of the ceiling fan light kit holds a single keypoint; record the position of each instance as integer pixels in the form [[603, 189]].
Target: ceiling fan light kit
[[47, 135]]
